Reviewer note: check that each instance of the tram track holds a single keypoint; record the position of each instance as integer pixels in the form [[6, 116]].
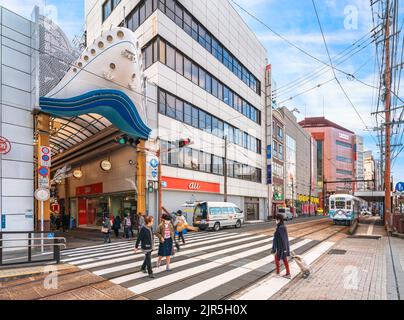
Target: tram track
[[237, 292], [329, 226]]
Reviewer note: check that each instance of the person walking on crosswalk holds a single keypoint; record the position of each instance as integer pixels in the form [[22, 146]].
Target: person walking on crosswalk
[[146, 239], [280, 245], [165, 233]]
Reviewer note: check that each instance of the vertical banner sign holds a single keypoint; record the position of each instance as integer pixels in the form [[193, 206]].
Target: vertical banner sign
[[44, 169], [3, 221], [269, 176]]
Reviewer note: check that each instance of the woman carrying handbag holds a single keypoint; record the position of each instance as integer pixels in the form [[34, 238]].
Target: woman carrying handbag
[[146, 238], [165, 233]]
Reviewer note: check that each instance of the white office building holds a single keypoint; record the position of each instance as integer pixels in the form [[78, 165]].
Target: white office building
[[205, 73]]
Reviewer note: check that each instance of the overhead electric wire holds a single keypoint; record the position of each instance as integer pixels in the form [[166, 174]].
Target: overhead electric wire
[[336, 78]]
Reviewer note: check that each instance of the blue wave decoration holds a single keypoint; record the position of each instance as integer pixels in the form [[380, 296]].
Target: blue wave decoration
[[112, 104]]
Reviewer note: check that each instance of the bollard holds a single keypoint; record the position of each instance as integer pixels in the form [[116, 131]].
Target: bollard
[[56, 250]]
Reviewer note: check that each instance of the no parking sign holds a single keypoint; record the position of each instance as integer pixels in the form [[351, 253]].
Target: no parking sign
[[45, 157]]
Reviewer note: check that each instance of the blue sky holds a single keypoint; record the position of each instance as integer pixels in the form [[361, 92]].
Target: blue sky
[[296, 21]]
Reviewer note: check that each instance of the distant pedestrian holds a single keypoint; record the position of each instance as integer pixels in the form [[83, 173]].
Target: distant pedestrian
[[117, 226], [180, 224], [106, 229], [165, 233], [146, 238], [127, 225], [141, 221], [280, 245]]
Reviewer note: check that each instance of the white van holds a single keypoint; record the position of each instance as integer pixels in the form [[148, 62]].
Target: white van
[[216, 215], [287, 215]]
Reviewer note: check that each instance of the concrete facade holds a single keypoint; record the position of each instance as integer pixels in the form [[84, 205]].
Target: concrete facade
[[222, 21], [303, 164], [17, 66]]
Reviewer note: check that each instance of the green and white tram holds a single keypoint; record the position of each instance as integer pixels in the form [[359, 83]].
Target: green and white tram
[[344, 208]]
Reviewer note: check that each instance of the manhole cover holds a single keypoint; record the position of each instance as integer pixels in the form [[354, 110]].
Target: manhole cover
[[337, 251]]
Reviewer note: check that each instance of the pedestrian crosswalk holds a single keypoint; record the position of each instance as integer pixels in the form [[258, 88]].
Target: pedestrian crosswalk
[[211, 265]]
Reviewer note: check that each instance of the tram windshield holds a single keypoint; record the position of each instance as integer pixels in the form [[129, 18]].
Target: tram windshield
[[340, 204]]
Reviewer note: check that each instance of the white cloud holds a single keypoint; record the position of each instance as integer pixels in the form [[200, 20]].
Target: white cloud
[[22, 7]]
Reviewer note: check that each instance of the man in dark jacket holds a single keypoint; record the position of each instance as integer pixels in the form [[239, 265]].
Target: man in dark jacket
[[146, 238], [280, 245]]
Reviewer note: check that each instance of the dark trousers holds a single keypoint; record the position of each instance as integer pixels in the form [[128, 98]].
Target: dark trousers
[[116, 231], [107, 237], [147, 263], [127, 231], [278, 267], [181, 236]]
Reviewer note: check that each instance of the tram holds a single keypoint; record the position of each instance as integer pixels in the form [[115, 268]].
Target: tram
[[344, 208]]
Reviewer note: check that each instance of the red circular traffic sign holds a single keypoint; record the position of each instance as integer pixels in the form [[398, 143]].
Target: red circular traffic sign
[[43, 171], [5, 146]]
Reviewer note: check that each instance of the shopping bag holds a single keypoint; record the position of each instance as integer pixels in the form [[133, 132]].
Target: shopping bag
[[104, 230]]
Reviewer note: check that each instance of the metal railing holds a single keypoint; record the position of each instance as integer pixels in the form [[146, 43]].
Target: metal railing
[[57, 243]]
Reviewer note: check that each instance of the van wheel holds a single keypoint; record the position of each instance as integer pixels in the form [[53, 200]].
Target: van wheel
[[238, 224], [216, 227]]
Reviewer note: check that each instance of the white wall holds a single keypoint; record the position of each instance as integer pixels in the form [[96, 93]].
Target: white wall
[[16, 122]]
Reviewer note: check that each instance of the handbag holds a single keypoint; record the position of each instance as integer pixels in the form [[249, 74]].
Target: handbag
[[104, 230]]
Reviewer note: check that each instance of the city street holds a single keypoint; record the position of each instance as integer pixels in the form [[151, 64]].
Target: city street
[[229, 264]]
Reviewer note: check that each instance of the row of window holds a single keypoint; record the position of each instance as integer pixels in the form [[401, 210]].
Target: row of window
[[177, 13], [346, 172], [160, 50], [107, 8], [344, 159], [193, 159], [344, 144], [185, 112]]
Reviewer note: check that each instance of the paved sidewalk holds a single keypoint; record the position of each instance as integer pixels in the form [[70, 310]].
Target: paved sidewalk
[[356, 268], [65, 282]]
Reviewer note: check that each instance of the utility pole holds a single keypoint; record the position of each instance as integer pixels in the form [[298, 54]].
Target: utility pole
[[311, 175], [387, 172], [225, 169]]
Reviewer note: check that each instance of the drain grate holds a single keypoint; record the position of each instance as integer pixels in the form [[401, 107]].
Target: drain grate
[[337, 251]]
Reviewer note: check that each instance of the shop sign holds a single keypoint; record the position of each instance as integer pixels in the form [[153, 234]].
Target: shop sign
[[343, 136], [89, 189], [189, 185], [5, 146], [106, 165], [3, 221], [269, 152], [269, 174]]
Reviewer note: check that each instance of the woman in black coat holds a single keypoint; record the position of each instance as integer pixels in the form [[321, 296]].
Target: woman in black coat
[[146, 238], [280, 245], [117, 226]]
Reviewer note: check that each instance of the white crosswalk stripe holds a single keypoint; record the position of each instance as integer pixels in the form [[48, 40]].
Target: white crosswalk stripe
[[125, 248], [208, 262], [269, 287]]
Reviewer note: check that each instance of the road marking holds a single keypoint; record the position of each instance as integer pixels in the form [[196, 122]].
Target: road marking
[[370, 228], [209, 284], [154, 284], [130, 257], [185, 262], [273, 284], [126, 248]]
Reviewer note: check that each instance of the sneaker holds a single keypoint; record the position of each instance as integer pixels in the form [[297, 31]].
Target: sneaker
[[143, 270], [151, 276], [168, 269], [287, 276]]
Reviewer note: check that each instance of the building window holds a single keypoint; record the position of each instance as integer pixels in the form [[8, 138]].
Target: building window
[[346, 172], [177, 13], [344, 144], [344, 159], [162, 52], [183, 111], [179, 63], [106, 9], [195, 75], [170, 57], [187, 68]]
